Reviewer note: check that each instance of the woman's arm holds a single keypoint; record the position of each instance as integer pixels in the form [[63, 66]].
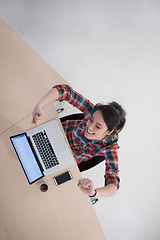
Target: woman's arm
[[86, 186], [107, 191], [37, 114], [75, 99], [61, 92]]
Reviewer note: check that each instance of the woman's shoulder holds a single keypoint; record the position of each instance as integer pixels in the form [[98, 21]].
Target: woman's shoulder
[[111, 141]]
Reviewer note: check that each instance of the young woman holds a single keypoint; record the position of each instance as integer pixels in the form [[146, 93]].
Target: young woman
[[95, 135]]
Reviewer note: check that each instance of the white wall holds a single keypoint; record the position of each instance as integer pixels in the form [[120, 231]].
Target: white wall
[[108, 50]]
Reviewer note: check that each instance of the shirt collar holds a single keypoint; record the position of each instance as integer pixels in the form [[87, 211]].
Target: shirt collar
[[113, 137]]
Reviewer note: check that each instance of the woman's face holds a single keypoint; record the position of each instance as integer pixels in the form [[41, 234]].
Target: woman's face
[[96, 128]]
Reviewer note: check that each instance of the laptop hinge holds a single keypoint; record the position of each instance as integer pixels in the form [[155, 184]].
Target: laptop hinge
[[34, 152]]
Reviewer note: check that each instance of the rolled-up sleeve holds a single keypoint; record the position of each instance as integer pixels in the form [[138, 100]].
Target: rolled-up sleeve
[[75, 99], [111, 171]]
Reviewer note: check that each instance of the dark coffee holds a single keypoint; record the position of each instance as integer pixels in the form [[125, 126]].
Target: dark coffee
[[43, 187]]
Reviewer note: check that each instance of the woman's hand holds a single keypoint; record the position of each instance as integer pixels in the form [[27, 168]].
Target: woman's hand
[[38, 115], [86, 186]]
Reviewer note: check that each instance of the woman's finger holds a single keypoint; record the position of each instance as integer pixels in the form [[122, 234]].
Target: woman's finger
[[85, 183]]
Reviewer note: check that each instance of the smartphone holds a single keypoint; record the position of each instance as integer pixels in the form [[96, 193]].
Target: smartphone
[[62, 178]]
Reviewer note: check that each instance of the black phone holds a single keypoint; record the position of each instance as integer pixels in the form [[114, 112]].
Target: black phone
[[62, 178]]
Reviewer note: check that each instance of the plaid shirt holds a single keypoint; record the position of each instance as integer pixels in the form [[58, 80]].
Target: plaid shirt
[[83, 148]]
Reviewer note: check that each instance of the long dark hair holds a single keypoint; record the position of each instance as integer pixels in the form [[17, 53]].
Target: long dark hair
[[113, 114]]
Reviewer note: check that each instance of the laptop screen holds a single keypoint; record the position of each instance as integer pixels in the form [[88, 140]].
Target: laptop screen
[[26, 157]]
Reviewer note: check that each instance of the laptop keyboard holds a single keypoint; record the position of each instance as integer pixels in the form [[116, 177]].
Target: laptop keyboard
[[45, 149]]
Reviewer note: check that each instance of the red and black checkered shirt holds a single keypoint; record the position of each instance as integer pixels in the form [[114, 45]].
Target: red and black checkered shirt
[[83, 148]]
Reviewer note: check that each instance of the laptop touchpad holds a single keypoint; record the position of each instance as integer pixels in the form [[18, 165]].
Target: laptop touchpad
[[59, 144]]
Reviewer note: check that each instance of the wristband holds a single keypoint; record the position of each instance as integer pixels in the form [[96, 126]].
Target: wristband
[[94, 194], [93, 198]]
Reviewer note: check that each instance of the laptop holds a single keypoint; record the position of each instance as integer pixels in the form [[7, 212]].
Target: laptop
[[42, 150]]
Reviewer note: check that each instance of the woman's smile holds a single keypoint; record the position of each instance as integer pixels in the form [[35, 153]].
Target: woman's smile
[[89, 131]]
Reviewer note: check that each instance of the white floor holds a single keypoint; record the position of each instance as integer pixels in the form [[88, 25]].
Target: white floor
[[108, 50]]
